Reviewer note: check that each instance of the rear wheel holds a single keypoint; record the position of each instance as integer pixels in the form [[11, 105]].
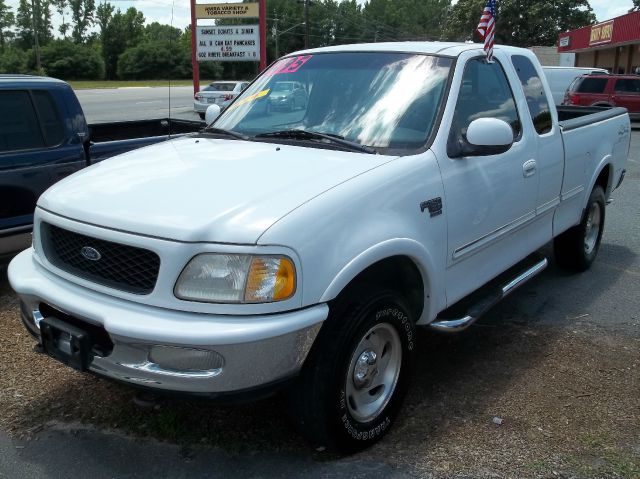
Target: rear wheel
[[577, 248], [354, 380]]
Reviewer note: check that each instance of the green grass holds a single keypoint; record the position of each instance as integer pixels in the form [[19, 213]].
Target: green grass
[[91, 84]]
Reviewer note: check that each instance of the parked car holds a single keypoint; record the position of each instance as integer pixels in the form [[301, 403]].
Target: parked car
[[559, 79], [301, 250], [44, 137], [606, 90], [220, 93], [287, 95]]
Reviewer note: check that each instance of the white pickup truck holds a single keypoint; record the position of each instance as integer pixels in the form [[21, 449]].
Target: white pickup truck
[[301, 247]]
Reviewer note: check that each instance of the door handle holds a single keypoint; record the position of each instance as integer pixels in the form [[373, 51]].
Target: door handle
[[529, 168]]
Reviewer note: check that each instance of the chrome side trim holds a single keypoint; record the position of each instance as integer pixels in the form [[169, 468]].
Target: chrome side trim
[[549, 205], [460, 324], [571, 193], [493, 235]]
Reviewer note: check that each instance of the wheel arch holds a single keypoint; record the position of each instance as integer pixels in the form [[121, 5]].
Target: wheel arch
[[603, 177], [407, 258]]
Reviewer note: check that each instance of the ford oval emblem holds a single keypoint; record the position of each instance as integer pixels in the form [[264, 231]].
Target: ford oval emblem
[[90, 253]]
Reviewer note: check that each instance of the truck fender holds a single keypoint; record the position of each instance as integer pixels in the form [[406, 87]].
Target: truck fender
[[386, 249], [604, 163]]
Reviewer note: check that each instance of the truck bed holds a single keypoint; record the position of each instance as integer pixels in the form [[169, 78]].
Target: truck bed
[[572, 117]]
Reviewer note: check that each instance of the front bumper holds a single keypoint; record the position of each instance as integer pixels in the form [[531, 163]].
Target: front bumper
[[255, 350]]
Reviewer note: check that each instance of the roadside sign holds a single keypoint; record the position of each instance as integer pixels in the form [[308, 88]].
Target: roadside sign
[[227, 10], [233, 43]]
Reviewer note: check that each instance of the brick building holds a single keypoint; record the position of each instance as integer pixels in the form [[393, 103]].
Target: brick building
[[614, 44]]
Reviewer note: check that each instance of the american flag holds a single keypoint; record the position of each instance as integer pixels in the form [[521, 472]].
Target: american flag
[[487, 27]]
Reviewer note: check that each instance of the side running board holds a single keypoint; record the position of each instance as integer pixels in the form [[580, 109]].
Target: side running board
[[487, 302]]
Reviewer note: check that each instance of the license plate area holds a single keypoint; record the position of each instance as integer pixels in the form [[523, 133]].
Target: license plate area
[[67, 343]]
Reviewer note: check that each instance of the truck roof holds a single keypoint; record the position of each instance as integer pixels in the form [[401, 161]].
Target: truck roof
[[441, 48], [14, 78]]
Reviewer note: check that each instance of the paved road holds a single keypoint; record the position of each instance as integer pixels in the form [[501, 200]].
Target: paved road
[[120, 104], [608, 293]]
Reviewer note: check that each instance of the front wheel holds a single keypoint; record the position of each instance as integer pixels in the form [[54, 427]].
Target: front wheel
[[577, 248], [352, 385]]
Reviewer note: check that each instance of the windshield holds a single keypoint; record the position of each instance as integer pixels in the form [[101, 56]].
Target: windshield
[[384, 100]]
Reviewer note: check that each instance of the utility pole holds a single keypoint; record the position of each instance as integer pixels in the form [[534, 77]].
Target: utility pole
[[36, 44], [307, 3], [306, 23], [274, 32]]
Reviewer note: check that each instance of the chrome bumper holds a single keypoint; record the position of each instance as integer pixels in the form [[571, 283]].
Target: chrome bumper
[[151, 346]]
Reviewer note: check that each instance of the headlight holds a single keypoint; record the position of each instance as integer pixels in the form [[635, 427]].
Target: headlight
[[237, 278]]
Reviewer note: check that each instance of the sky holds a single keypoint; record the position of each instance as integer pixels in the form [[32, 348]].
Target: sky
[[160, 10]]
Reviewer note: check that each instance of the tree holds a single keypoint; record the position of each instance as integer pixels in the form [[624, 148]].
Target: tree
[[30, 19], [14, 60], [636, 4], [7, 20], [519, 21], [70, 61], [104, 13], [82, 16], [123, 30], [61, 8], [155, 32], [153, 60]]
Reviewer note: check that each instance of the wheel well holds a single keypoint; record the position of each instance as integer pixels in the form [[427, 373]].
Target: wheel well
[[399, 273], [603, 179]]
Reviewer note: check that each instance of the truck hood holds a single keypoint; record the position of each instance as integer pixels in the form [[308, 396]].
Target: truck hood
[[202, 189]]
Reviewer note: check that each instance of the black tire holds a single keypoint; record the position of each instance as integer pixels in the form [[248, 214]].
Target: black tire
[[577, 248], [201, 115], [322, 399]]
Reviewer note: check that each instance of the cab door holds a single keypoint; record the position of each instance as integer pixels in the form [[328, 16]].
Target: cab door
[[627, 94], [490, 200]]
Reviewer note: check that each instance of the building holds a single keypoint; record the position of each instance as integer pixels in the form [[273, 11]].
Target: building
[[549, 56], [614, 44]]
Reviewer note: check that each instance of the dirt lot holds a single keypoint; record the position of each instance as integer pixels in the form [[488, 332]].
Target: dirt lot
[[547, 385]]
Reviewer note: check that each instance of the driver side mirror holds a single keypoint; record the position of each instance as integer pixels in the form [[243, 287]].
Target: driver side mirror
[[213, 112], [485, 136]]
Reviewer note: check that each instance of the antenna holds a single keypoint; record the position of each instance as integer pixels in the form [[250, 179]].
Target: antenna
[[170, 52]]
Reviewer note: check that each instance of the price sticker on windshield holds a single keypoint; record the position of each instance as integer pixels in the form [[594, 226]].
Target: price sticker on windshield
[[292, 65]]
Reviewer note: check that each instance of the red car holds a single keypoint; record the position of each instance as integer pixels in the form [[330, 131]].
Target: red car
[[606, 90]]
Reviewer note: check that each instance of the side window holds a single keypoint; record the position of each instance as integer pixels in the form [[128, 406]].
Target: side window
[[52, 126], [484, 93], [534, 93], [628, 85], [19, 128], [592, 85]]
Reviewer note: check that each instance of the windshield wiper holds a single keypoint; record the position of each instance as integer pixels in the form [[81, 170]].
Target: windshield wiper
[[222, 131], [296, 134]]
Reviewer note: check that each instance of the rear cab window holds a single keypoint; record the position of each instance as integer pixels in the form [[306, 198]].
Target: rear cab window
[[52, 126], [534, 93]]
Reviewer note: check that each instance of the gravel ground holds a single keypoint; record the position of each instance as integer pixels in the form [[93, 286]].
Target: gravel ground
[[547, 385]]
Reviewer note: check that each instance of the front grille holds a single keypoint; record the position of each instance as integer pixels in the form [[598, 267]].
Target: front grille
[[118, 266]]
